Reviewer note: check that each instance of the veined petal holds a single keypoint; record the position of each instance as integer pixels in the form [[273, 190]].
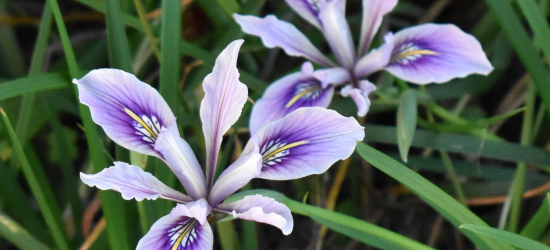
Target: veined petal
[[376, 59], [436, 53], [360, 95], [307, 9], [133, 183], [180, 158], [238, 174], [373, 12], [131, 112], [223, 103], [337, 32], [306, 141], [185, 228], [261, 209], [301, 89], [277, 33]]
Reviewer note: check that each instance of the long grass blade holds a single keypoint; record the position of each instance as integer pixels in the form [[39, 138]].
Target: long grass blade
[[504, 236], [536, 225], [17, 235]]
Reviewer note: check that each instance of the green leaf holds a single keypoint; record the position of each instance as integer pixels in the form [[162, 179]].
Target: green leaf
[[463, 144], [31, 84], [443, 203], [49, 209], [538, 23], [504, 236], [228, 235], [536, 225], [526, 51], [119, 50], [406, 122], [360, 230], [17, 235]]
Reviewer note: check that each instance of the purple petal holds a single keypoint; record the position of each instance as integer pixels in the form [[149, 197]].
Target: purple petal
[[373, 12], [332, 76], [277, 33], [130, 111], [306, 141], [237, 175], [180, 158], [301, 89], [436, 53], [337, 32], [360, 95], [223, 103], [133, 183], [307, 9], [375, 60], [261, 209], [185, 228]]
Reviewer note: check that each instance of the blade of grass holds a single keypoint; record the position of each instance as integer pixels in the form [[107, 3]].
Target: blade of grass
[[113, 208], [17, 235], [538, 22], [13, 61], [406, 122], [504, 236], [443, 203], [228, 235], [35, 83], [49, 209], [119, 50], [463, 144], [526, 51], [540, 220], [360, 230]]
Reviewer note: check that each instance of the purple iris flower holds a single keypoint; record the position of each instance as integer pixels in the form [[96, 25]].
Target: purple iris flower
[[134, 115], [421, 54]]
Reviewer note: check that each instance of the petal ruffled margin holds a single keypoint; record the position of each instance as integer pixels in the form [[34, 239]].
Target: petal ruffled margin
[[261, 209], [373, 12], [436, 53], [130, 111], [184, 228], [133, 183], [277, 33], [238, 174], [301, 89], [223, 103], [307, 141], [360, 95]]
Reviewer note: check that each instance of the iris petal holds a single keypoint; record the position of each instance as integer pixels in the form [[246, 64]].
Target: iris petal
[[307, 9], [306, 141], [301, 89], [360, 95], [185, 228], [337, 32], [277, 33], [373, 12], [131, 112], [376, 59], [261, 209], [436, 53], [223, 103], [133, 183]]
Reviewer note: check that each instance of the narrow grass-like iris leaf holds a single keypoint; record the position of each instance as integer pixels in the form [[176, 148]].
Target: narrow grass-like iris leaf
[[49, 210], [31, 84], [17, 235], [119, 50], [360, 230], [463, 144], [113, 209], [443, 203], [538, 23], [406, 122], [525, 49], [229, 6], [504, 236], [536, 225], [228, 235]]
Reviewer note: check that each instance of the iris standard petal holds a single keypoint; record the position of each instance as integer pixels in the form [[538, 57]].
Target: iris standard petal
[[307, 9], [306, 141], [301, 89], [376, 59], [180, 158], [436, 53], [337, 32], [261, 209], [238, 174], [222, 104], [373, 12], [277, 33], [360, 95], [185, 228], [130, 111], [133, 183], [332, 76]]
